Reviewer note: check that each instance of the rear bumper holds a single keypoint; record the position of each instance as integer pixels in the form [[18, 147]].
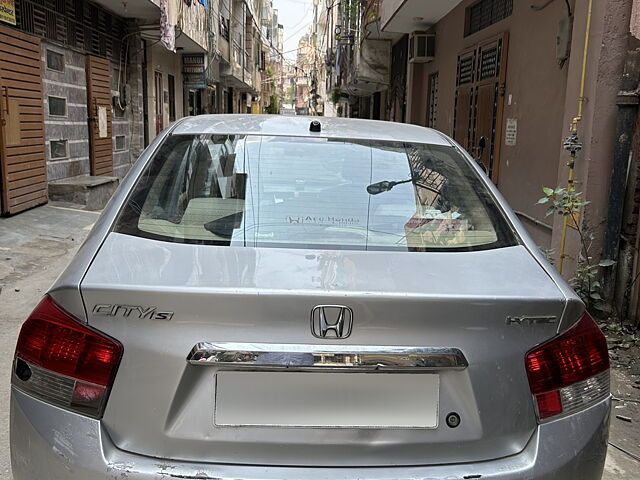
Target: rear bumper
[[47, 442]]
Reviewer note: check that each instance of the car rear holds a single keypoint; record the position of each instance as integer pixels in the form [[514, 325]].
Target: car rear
[[280, 304]]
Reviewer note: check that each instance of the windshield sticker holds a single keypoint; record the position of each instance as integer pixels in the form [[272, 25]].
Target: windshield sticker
[[323, 220]]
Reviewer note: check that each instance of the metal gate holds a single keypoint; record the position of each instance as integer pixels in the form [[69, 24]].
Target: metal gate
[[99, 106], [22, 159], [479, 106]]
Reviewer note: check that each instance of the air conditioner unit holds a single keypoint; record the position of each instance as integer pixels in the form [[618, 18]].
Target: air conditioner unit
[[422, 47]]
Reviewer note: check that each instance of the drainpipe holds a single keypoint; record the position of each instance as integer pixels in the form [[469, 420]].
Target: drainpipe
[[627, 102]]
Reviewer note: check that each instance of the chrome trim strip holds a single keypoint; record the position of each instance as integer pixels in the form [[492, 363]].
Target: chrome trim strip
[[326, 357]]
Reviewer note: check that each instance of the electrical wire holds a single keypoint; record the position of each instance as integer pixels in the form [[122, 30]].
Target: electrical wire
[[304, 18], [539, 8]]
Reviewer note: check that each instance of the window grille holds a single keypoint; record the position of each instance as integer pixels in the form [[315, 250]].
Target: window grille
[[465, 70], [433, 100], [489, 63], [73, 23], [487, 12]]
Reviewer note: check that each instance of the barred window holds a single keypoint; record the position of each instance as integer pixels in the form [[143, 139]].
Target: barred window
[[485, 13]]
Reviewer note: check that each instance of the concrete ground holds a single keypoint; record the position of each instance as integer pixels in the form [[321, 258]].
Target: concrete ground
[[36, 245]]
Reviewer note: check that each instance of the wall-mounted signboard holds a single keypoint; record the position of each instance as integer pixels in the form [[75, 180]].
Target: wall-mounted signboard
[[8, 11], [193, 70]]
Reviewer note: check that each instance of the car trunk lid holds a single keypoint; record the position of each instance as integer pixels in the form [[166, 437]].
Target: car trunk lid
[[166, 302]]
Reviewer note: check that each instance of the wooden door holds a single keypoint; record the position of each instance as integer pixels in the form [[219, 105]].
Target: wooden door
[[159, 103], [99, 107], [479, 108], [22, 156], [490, 91]]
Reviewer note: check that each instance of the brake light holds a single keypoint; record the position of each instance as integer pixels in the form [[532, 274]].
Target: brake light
[[62, 361], [570, 372]]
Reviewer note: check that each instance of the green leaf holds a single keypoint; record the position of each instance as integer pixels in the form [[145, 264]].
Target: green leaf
[[558, 190], [596, 285], [543, 200], [548, 191], [607, 263], [550, 211], [595, 296], [600, 306]]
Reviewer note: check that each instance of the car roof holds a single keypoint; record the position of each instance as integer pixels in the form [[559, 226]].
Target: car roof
[[298, 126]]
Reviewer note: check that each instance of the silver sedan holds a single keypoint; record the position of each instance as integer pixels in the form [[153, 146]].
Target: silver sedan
[[276, 297]]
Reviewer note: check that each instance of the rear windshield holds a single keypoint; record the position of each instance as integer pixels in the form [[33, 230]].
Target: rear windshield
[[291, 192]]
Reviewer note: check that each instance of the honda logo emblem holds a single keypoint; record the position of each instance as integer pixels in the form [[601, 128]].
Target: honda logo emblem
[[331, 321]]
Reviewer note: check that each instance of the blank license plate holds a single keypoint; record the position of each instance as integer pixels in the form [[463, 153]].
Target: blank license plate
[[326, 400]]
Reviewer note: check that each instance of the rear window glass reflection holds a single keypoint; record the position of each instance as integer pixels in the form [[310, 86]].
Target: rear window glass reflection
[[289, 192]]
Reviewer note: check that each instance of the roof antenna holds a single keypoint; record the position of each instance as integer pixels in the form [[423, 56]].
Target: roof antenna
[[315, 126]]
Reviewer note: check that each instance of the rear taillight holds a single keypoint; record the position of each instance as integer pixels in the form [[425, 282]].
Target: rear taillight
[[570, 372], [62, 361]]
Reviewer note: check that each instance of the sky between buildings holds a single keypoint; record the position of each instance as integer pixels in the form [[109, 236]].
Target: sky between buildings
[[295, 16]]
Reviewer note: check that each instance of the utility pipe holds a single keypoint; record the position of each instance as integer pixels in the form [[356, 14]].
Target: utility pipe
[[572, 144]]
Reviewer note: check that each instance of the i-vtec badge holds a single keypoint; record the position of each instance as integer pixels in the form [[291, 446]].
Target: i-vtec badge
[[151, 313], [549, 319]]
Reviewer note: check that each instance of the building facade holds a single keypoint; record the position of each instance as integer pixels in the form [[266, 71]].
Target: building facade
[[87, 85], [531, 89], [250, 55]]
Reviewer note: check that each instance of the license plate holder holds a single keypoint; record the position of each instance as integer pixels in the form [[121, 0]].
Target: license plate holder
[[326, 400]]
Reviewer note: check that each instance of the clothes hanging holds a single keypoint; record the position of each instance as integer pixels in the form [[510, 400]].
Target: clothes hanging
[[167, 31], [174, 11]]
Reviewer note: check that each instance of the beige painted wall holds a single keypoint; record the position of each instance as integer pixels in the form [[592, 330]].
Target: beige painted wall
[[159, 59], [543, 97], [536, 88], [608, 43], [388, 8]]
